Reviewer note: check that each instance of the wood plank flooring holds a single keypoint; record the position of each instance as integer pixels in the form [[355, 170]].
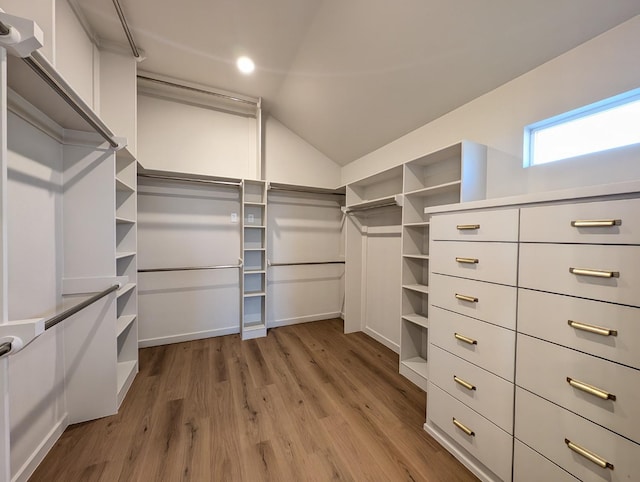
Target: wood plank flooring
[[306, 403]]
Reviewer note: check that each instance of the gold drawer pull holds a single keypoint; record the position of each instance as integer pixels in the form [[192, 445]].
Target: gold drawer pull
[[465, 384], [596, 223], [596, 459], [470, 299], [467, 227], [467, 260], [465, 339], [464, 428], [597, 273], [590, 389], [598, 330]]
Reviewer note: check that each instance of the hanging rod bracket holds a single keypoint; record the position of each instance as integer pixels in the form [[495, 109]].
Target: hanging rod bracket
[[20, 333], [20, 36]]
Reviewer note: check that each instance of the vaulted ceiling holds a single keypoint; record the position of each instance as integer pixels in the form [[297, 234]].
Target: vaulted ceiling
[[349, 76]]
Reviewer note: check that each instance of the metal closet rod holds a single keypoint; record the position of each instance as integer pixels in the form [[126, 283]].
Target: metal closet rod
[[54, 320], [306, 263], [125, 27], [200, 91], [187, 179], [36, 62], [190, 268]]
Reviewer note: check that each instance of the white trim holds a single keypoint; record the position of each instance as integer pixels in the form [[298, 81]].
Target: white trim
[[198, 335], [38, 455], [304, 319], [382, 339]]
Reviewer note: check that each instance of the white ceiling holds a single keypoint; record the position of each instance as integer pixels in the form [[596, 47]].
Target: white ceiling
[[349, 76]]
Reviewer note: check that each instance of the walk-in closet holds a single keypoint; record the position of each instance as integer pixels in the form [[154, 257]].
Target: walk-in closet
[[314, 240]]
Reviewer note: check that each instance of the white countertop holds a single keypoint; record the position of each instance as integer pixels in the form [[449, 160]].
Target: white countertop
[[619, 188]]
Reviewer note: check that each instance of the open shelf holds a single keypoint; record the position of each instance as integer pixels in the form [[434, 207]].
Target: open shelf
[[392, 200], [434, 190], [418, 365], [125, 289], [251, 294], [123, 186], [122, 220], [123, 322], [125, 254], [126, 373], [416, 256], [417, 319], [419, 288]]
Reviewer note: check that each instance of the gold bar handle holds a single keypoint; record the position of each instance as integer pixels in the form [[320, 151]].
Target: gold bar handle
[[591, 390], [596, 273], [464, 383], [467, 260], [595, 223], [470, 299], [598, 330], [587, 454], [465, 339], [464, 428], [467, 227]]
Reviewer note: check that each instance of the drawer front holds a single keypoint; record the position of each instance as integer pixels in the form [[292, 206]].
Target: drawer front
[[493, 303], [544, 368], [494, 349], [498, 225], [546, 267], [553, 223], [545, 426], [547, 316], [489, 444], [494, 262], [530, 466], [484, 392]]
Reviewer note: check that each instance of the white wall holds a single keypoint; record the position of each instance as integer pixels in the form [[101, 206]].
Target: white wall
[[605, 66], [74, 52], [176, 136], [304, 228], [36, 374], [289, 159]]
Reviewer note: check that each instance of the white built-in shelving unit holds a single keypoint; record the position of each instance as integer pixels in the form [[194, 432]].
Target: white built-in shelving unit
[[253, 323], [451, 175], [126, 267]]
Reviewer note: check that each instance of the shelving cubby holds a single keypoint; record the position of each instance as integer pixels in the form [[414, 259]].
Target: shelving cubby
[[254, 245], [126, 266], [451, 175], [377, 189]]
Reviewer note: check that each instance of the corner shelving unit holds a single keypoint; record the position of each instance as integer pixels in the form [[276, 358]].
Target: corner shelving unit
[[253, 308], [127, 267], [450, 175]]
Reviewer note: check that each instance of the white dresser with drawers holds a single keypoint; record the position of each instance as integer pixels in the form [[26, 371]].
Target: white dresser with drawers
[[534, 346]]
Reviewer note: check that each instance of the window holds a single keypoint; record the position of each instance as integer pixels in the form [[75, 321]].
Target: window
[[611, 123]]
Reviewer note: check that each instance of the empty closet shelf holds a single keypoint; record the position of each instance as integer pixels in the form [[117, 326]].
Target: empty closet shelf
[[393, 200], [418, 365], [251, 294], [416, 256], [123, 323], [418, 288], [125, 254], [123, 220], [123, 186], [125, 289], [433, 190], [417, 319]]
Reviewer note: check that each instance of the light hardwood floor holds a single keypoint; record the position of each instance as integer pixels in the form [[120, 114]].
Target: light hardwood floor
[[306, 403]]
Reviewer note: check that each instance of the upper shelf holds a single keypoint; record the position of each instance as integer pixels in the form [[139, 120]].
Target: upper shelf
[[37, 82]]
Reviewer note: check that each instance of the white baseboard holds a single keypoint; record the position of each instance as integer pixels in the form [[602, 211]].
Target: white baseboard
[[198, 335], [38, 455], [303, 319], [382, 339]]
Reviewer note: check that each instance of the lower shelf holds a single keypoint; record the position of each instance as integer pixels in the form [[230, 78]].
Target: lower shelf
[[123, 322], [254, 330], [416, 370], [417, 319], [126, 373]]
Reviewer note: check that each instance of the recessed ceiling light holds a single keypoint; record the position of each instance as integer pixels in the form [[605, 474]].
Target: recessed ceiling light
[[245, 65]]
